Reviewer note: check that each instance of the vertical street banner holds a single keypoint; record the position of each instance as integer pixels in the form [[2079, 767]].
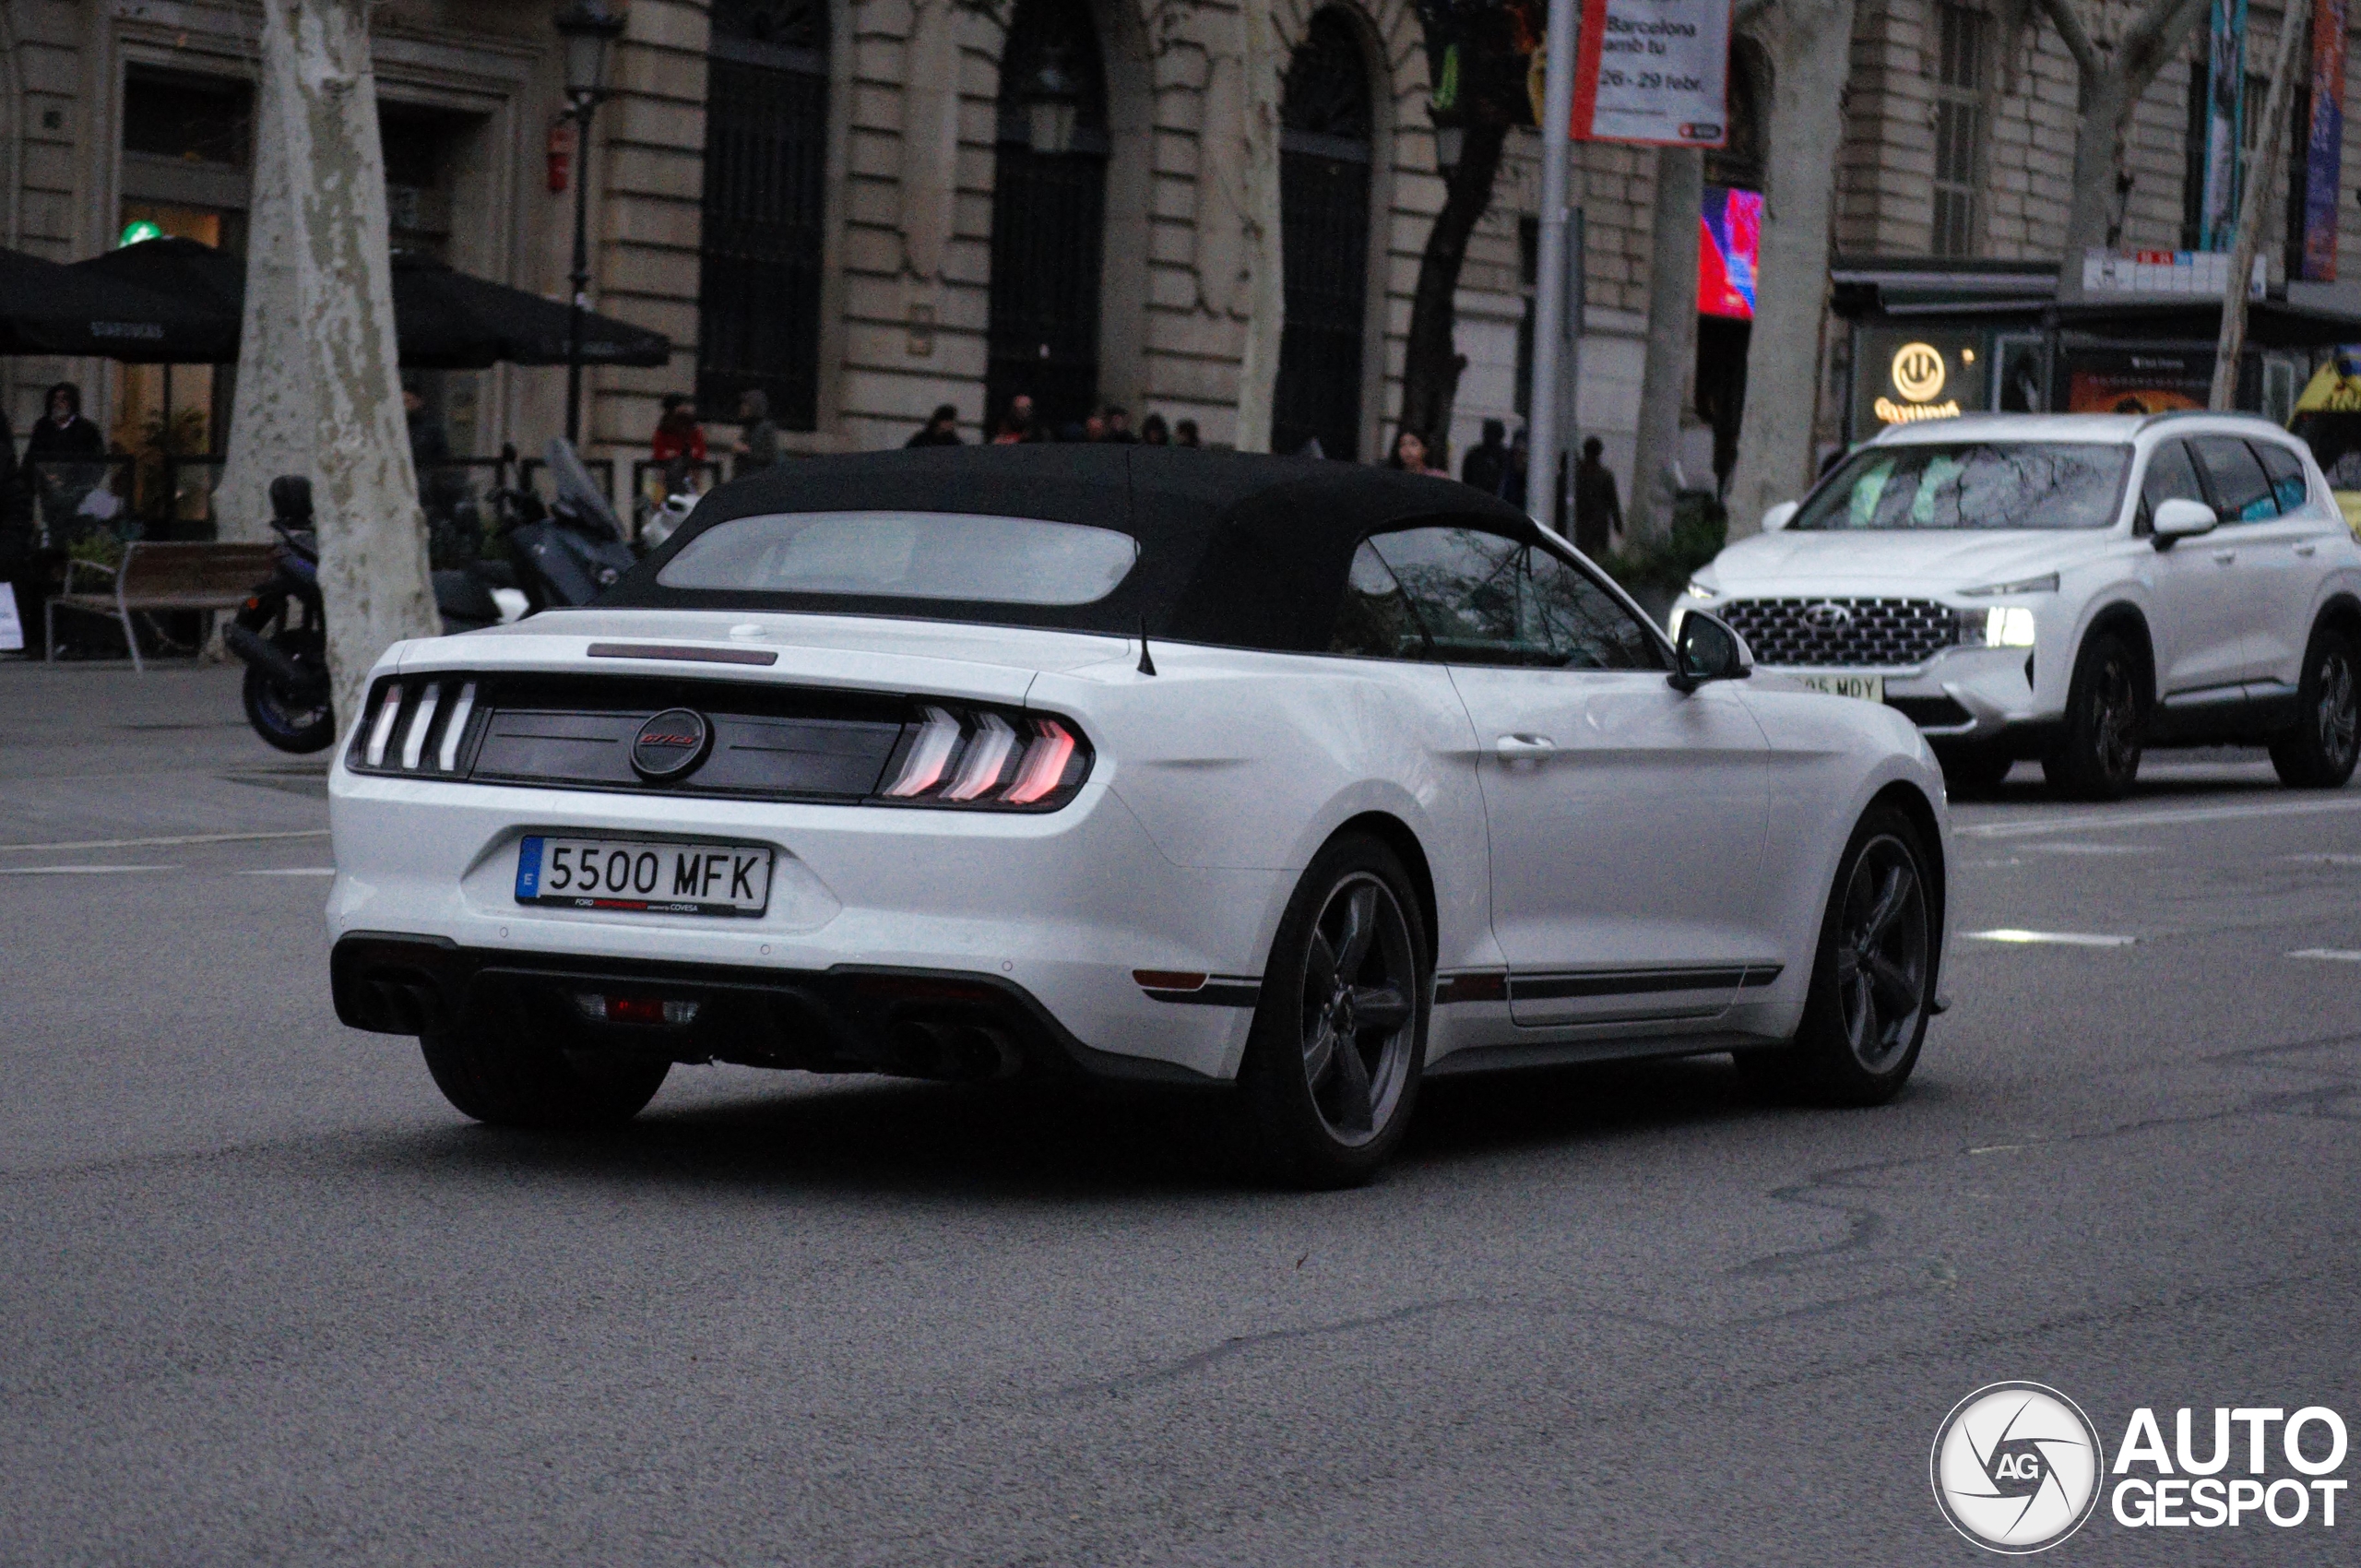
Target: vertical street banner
[[2323, 149], [2225, 92], [1653, 72]]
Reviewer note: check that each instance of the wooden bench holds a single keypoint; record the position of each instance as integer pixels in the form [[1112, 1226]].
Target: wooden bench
[[155, 577]]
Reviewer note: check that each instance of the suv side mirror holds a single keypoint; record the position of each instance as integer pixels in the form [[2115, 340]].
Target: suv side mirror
[[1779, 516], [1707, 649], [2179, 520]]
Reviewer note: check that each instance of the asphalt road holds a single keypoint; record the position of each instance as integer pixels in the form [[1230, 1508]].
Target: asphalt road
[[264, 1298]]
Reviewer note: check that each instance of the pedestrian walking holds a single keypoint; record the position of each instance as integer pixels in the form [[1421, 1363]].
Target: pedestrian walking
[[61, 433], [1486, 464], [1599, 511], [757, 442], [1184, 433], [1014, 430], [1512, 479], [1119, 426], [942, 428], [1153, 431]]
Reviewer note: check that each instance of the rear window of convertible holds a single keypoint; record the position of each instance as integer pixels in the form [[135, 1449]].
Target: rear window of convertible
[[939, 556]]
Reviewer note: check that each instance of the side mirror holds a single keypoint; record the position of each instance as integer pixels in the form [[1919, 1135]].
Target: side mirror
[[1779, 516], [1707, 651], [2176, 520]]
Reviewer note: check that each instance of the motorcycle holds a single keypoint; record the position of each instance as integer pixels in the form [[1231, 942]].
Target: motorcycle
[[564, 553]]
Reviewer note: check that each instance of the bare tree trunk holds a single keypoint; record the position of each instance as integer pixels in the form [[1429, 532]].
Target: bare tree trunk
[[2112, 84], [1809, 43], [1432, 361], [373, 537], [271, 419], [1672, 342], [2260, 178]]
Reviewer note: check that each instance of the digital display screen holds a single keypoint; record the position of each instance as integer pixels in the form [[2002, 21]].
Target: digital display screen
[[1729, 238]]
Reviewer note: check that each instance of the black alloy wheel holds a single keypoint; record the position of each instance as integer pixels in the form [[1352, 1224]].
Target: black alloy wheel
[[2106, 723], [2319, 750], [1339, 1040], [1873, 976]]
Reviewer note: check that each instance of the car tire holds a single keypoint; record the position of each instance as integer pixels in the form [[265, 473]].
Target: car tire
[[1872, 977], [2106, 723], [501, 1071], [2319, 752], [1975, 772], [1339, 1041]]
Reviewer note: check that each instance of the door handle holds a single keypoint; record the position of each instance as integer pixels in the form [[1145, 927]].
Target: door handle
[[2225, 557], [2308, 550], [1517, 748]]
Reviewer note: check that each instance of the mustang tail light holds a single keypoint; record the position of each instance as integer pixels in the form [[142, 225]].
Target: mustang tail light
[[986, 760], [414, 726]]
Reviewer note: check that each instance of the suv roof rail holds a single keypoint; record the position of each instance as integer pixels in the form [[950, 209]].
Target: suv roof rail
[[2168, 415]]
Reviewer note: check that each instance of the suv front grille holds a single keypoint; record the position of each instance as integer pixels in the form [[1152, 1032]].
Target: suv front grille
[[1848, 632]]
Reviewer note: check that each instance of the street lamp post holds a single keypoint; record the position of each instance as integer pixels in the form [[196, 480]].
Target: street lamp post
[[590, 29]]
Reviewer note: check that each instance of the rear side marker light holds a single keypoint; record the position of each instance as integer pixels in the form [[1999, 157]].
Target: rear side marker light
[[646, 1010], [1170, 980]]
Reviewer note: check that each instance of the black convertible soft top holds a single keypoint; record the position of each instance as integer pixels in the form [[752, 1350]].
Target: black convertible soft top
[[1236, 549]]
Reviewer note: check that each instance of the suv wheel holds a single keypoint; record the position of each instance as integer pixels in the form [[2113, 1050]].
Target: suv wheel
[[2319, 753], [2106, 723]]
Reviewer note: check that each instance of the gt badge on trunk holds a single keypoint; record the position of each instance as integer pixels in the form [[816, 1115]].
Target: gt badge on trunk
[[670, 744]]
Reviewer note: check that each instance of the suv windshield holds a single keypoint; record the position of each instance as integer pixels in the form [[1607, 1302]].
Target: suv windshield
[[1972, 484], [939, 556]]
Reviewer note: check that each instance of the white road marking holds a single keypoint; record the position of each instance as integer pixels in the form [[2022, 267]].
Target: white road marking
[[1996, 1149], [186, 838], [2327, 860], [2052, 938], [74, 870], [2333, 955], [292, 871], [2085, 822], [2093, 848]]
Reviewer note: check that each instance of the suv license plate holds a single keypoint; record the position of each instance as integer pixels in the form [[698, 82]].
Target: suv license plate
[[642, 876], [1871, 688]]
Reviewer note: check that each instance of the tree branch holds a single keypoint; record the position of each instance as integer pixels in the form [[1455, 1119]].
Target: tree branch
[[2077, 39]]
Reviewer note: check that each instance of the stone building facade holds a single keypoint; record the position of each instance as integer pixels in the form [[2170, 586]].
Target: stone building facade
[[869, 208]]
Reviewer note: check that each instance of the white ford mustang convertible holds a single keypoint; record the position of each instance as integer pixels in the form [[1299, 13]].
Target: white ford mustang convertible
[[1296, 781]]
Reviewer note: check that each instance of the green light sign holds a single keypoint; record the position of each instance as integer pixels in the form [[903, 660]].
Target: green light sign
[[139, 230]]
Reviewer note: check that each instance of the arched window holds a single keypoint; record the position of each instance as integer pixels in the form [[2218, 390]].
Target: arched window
[[1048, 214], [765, 170], [1324, 226]]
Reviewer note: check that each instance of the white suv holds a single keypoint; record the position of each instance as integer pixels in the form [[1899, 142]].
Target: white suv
[[2067, 587]]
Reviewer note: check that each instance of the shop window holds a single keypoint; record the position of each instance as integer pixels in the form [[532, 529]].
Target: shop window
[[766, 186], [188, 119], [1962, 49]]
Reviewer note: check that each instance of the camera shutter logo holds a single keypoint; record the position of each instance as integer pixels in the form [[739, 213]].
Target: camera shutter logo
[[1919, 372], [2016, 1467]]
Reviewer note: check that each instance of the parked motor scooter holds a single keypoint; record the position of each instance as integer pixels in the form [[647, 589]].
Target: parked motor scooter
[[281, 634], [571, 552]]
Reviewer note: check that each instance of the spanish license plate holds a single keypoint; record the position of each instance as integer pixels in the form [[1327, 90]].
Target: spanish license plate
[[646, 877], [1871, 688]]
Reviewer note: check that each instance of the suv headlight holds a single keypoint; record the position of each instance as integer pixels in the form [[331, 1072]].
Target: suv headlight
[[2046, 583], [1697, 589], [2003, 625]]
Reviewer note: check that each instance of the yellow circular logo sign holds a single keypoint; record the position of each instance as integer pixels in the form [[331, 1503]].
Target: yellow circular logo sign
[[1918, 372]]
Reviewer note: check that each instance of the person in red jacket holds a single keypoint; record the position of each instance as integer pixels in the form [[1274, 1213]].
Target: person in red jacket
[[680, 440]]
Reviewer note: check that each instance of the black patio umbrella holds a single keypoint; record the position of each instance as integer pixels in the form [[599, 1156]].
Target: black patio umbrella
[[48, 309], [443, 319], [447, 320]]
